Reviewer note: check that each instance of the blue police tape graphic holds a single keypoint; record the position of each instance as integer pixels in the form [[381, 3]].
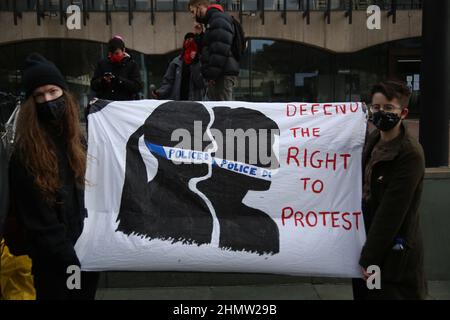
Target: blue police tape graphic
[[193, 156]]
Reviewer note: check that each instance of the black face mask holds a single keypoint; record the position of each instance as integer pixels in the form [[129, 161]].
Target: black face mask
[[51, 111], [385, 121], [201, 20]]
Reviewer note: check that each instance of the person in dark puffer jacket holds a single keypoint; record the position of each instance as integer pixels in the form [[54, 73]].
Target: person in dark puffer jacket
[[219, 67]]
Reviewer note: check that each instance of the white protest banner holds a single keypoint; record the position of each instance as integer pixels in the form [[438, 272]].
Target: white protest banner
[[224, 187]]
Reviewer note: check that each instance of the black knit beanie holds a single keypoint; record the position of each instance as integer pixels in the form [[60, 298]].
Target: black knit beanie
[[38, 72], [115, 43]]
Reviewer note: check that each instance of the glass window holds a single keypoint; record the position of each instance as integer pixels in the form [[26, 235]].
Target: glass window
[[370, 66], [278, 5], [156, 66], [7, 5], [24, 5], [313, 4], [119, 5], [49, 5], [164, 5], [182, 5], [271, 78], [98, 5], [242, 91], [142, 5], [270, 5], [270, 70], [76, 60], [285, 71], [291, 5], [313, 75], [249, 5]]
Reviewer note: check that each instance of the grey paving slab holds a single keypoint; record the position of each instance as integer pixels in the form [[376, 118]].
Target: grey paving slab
[[438, 290], [193, 293], [334, 291], [302, 291], [279, 292]]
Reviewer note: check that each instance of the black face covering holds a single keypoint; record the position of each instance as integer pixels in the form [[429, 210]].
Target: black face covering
[[385, 121], [199, 19], [51, 111]]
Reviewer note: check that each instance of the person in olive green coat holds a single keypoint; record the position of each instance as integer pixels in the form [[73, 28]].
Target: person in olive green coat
[[394, 168]]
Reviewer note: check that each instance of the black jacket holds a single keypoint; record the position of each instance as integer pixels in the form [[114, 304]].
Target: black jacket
[[51, 230], [126, 84], [216, 56]]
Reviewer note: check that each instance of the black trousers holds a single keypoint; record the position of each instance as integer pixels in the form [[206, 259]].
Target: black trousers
[[360, 290], [51, 284]]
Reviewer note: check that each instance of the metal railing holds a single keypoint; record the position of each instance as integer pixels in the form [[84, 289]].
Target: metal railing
[[44, 8], [49, 6]]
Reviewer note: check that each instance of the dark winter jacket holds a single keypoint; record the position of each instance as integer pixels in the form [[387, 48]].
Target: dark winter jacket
[[51, 230], [216, 56], [125, 85], [391, 210], [4, 186], [171, 84]]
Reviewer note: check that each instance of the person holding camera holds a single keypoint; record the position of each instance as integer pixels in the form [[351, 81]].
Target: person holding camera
[[117, 77]]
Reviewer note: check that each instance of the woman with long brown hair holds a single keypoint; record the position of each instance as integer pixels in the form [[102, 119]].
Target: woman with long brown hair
[[47, 172]]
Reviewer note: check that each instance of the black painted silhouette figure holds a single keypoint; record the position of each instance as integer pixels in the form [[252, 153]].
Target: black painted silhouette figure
[[242, 227], [165, 208]]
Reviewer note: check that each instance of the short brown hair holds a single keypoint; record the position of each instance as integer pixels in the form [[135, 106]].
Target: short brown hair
[[193, 3], [393, 89]]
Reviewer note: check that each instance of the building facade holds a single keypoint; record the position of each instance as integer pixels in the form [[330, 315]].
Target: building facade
[[302, 50]]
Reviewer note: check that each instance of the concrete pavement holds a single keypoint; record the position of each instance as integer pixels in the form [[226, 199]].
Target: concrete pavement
[[438, 290]]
